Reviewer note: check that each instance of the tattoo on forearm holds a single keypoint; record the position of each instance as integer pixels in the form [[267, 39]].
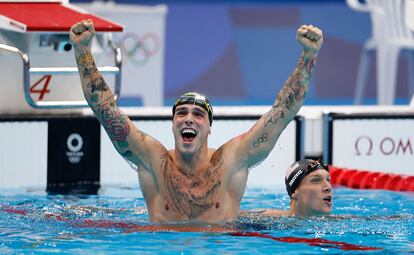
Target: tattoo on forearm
[[117, 127], [97, 84], [85, 60], [191, 195], [103, 104], [310, 64], [275, 113], [88, 71], [261, 139], [292, 92]]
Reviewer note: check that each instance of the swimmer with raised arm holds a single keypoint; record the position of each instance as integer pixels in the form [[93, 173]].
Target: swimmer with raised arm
[[192, 182], [308, 184]]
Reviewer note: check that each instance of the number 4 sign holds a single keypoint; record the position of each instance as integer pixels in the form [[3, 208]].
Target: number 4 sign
[[38, 88]]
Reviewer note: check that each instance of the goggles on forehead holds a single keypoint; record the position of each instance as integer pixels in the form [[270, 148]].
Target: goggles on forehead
[[195, 99], [303, 168], [315, 165]]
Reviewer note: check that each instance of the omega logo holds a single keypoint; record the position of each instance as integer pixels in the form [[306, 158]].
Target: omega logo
[[386, 146]]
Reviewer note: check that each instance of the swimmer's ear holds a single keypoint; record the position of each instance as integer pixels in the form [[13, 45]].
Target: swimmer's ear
[[293, 197], [209, 130]]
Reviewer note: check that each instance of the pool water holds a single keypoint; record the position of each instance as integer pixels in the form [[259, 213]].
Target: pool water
[[116, 222]]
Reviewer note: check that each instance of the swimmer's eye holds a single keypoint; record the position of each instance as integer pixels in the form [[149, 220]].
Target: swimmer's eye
[[198, 113], [181, 112], [316, 179]]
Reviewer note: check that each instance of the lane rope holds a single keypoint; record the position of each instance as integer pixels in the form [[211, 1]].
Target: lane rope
[[362, 179]]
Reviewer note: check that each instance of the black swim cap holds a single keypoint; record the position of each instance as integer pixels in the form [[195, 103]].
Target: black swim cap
[[195, 99], [298, 170]]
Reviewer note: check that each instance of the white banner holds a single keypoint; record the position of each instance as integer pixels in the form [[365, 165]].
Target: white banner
[[23, 158], [384, 145]]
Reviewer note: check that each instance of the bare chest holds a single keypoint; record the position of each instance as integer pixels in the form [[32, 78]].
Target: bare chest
[[192, 196]]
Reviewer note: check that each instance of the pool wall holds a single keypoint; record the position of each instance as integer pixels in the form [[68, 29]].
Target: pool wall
[[53, 150], [56, 151]]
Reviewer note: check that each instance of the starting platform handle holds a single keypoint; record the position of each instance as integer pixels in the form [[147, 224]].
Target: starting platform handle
[[27, 70]]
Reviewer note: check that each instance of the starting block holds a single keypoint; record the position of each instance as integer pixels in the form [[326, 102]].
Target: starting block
[[38, 68]]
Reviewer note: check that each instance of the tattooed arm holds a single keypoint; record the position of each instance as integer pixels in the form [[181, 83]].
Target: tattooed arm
[[131, 143], [256, 144]]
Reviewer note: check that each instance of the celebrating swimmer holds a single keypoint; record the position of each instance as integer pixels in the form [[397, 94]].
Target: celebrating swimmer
[[192, 182]]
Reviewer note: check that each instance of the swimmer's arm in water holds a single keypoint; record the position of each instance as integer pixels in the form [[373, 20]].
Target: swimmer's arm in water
[[263, 212], [256, 144], [130, 142]]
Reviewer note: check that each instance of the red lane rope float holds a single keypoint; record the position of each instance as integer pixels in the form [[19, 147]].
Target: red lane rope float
[[310, 241], [129, 227], [361, 179], [10, 209], [367, 182], [406, 183]]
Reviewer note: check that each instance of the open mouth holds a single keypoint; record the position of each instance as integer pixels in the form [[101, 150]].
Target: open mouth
[[188, 134], [328, 199]]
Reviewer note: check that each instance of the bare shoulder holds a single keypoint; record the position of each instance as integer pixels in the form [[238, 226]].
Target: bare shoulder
[[141, 149], [226, 159], [215, 154], [228, 151], [264, 212], [276, 213]]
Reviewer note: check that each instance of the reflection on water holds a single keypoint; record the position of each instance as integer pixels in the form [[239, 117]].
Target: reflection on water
[[36, 222]]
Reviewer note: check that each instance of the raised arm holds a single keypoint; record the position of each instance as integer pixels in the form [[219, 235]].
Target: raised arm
[[131, 143], [256, 144]]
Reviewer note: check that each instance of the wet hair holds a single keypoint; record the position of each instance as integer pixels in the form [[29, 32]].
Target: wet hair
[[195, 98], [298, 170]]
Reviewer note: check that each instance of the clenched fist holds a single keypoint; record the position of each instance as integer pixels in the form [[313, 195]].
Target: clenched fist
[[81, 35], [310, 38]]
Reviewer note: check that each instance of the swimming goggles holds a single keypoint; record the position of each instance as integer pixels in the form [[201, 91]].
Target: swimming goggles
[[195, 98]]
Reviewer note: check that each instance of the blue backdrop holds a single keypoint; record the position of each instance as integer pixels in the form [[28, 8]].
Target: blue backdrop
[[241, 52]]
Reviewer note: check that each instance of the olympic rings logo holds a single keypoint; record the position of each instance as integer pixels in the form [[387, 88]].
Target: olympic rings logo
[[139, 50]]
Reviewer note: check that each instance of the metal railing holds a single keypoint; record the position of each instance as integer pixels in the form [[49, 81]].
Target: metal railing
[[27, 71]]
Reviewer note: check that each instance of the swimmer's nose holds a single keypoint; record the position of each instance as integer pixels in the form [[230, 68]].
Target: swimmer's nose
[[327, 188], [188, 122]]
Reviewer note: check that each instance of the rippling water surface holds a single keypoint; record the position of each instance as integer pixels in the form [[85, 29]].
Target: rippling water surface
[[116, 222]]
